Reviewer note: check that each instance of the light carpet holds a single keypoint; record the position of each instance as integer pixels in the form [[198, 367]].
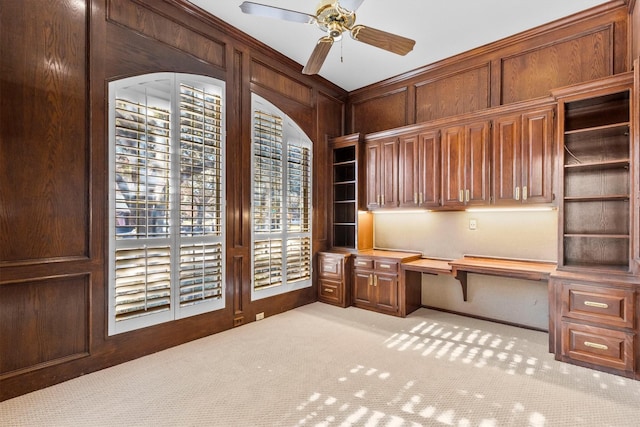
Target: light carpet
[[320, 365]]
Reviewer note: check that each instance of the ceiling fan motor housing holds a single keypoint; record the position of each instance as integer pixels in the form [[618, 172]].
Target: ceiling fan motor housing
[[333, 19]]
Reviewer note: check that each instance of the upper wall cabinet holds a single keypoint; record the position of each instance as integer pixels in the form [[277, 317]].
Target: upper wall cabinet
[[419, 158], [523, 157], [382, 172], [465, 164]]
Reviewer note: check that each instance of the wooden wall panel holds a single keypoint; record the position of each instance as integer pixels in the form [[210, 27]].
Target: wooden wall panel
[[534, 73], [329, 119], [383, 112], [43, 322], [43, 208], [279, 82], [462, 92], [53, 172], [165, 29]]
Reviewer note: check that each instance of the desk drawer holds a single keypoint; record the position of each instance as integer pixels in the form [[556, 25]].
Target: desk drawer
[[330, 266], [600, 346], [363, 263], [331, 292], [606, 306], [386, 267]]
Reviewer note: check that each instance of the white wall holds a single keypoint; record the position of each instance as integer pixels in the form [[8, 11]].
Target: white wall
[[521, 234]]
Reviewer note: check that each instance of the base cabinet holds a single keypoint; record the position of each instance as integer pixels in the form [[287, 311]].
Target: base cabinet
[[334, 278], [378, 286], [595, 322]]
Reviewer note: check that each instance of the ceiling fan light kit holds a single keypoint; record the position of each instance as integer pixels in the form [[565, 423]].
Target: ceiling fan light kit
[[334, 17]]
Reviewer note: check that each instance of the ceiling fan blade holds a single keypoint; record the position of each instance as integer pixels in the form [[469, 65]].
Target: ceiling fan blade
[[351, 5], [318, 56], [378, 38], [276, 12]]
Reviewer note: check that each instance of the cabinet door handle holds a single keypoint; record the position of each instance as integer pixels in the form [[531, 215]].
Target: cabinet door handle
[[328, 290], [596, 304], [467, 195], [382, 198], [370, 280], [420, 198], [415, 198], [375, 280], [524, 192], [517, 193], [461, 196], [596, 345]]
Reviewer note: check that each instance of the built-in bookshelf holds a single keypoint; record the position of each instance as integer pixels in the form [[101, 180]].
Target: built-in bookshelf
[[596, 180], [350, 228]]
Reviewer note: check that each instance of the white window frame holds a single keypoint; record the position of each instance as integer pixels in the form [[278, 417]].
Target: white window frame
[[179, 243], [294, 135]]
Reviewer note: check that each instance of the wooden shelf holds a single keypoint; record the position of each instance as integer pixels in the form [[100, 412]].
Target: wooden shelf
[[599, 129], [609, 164]]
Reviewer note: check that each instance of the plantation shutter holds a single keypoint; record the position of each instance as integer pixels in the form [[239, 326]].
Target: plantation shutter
[[268, 206], [168, 218], [281, 204]]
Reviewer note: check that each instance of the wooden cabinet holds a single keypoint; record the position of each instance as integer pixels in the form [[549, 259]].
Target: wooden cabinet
[[596, 322], [382, 172], [350, 228], [334, 278], [419, 168], [466, 164], [594, 295], [378, 286], [523, 157]]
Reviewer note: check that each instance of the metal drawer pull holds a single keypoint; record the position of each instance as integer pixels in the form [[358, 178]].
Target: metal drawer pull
[[384, 266], [596, 304], [596, 345], [361, 262], [375, 280], [328, 290], [370, 280]]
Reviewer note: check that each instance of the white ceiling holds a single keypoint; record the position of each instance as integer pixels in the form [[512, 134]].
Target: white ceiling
[[441, 28]]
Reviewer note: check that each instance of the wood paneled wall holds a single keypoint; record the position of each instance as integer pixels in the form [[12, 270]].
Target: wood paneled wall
[[526, 66], [58, 58]]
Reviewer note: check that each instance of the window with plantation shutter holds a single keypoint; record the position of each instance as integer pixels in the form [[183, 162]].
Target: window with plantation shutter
[[281, 202], [166, 199]]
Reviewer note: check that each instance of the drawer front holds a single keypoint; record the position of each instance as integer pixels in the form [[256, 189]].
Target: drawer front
[[390, 267], [330, 267], [363, 263], [600, 346], [607, 306], [331, 292]]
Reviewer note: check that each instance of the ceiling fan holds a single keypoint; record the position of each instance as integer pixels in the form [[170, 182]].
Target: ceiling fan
[[334, 17]]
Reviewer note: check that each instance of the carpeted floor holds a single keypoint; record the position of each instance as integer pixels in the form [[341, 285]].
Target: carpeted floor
[[321, 365]]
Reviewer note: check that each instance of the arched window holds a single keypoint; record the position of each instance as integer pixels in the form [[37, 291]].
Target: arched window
[[166, 199], [281, 202]]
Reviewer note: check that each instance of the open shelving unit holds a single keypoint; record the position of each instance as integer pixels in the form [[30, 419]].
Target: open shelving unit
[[350, 228], [596, 176]]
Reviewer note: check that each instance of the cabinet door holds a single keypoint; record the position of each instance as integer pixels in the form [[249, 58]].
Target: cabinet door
[[477, 189], [362, 288], [537, 156], [373, 175], [428, 155], [389, 173], [453, 164], [386, 289], [507, 160], [409, 171]]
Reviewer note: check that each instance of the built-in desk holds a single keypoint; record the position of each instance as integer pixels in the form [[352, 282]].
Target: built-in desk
[[505, 267]]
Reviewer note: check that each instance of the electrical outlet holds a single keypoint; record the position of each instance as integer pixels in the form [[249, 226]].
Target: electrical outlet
[[260, 316], [473, 224]]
